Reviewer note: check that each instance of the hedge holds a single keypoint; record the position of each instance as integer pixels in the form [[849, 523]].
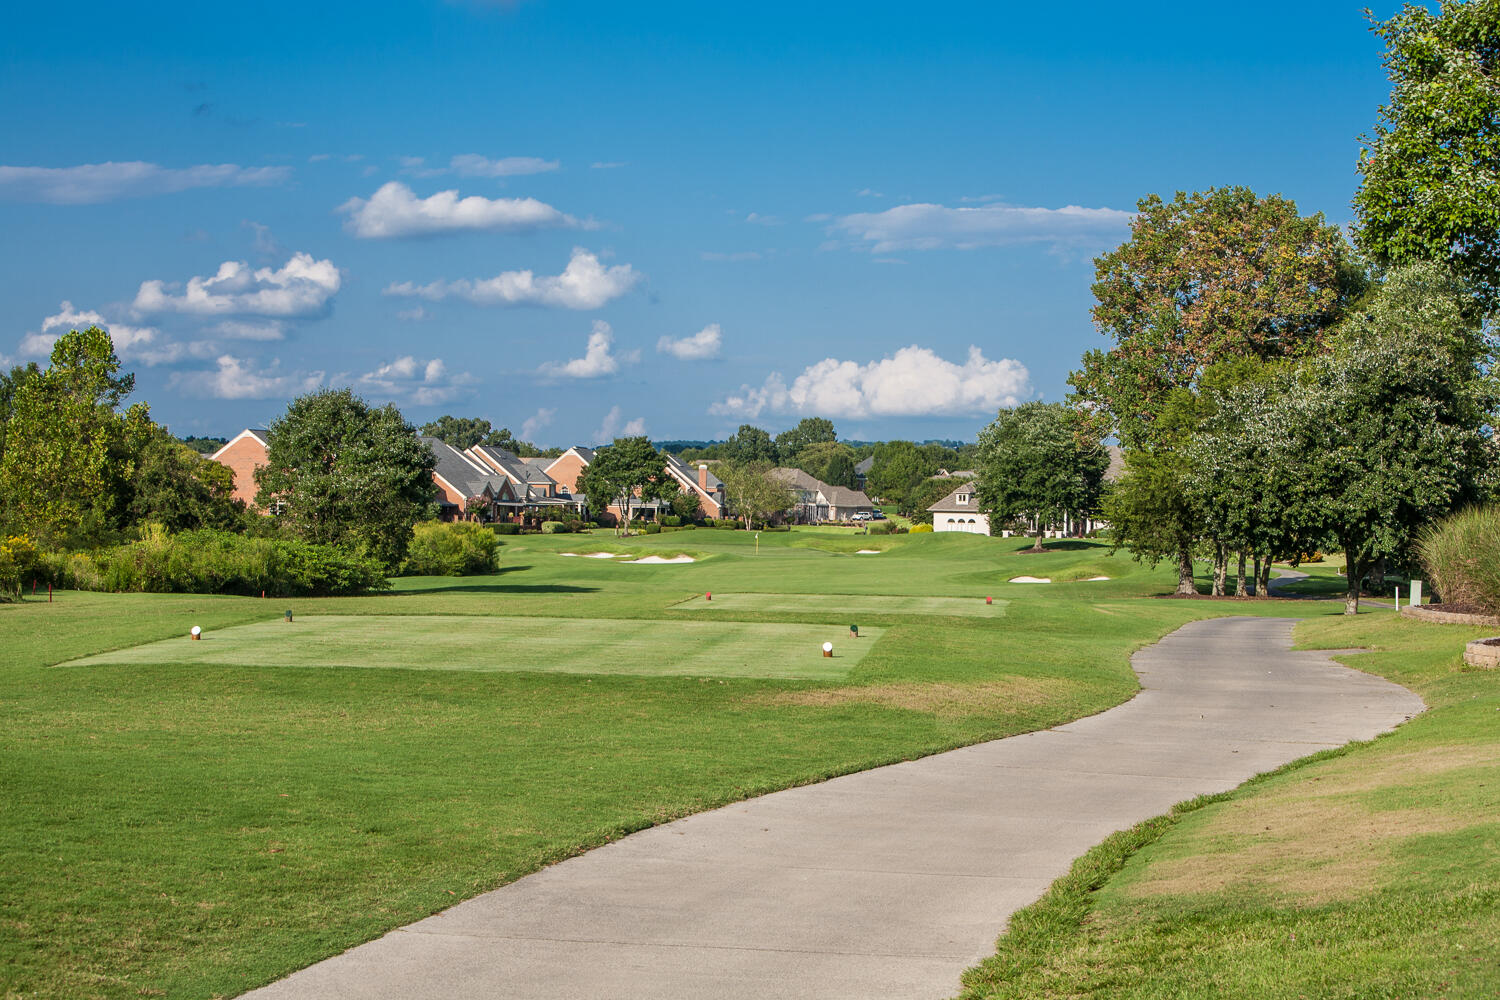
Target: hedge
[[460, 548]]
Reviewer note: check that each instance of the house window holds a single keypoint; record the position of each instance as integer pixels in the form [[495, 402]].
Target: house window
[[963, 498]]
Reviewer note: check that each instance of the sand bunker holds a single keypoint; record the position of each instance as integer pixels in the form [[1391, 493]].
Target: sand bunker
[[660, 559], [1094, 578], [868, 552], [1031, 579], [599, 555]]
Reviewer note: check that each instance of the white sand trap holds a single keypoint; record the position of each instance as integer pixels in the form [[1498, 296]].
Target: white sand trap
[[599, 555], [1031, 579], [660, 559], [868, 552], [1092, 579], [573, 554]]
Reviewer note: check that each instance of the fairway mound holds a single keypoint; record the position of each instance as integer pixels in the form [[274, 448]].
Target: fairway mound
[[658, 560], [1031, 579]]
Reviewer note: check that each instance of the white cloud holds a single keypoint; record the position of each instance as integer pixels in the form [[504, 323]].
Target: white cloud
[[868, 193], [132, 343], [425, 383], [914, 382], [762, 220], [607, 165], [474, 165], [584, 284], [933, 227], [538, 420], [233, 329], [236, 378], [393, 211], [90, 183], [301, 287], [597, 359], [414, 315], [612, 427], [700, 346]]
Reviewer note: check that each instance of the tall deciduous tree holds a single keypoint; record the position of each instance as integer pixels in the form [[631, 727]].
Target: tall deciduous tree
[[809, 430], [748, 446], [1394, 429], [1205, 278], [1431, 185], [344, 473], [174, 485], [623, 472], [66, 465], [899, 467], [1035, 465], [753, 494]]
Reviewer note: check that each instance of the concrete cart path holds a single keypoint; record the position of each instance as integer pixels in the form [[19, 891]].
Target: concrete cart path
[[883, 884]]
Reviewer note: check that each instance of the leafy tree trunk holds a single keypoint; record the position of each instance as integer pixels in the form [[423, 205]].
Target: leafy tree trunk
[[1185, 573], [1263, 585], [1221, 568], [1255, 577], [1377, 576], [1040, 531], [1241, 587]]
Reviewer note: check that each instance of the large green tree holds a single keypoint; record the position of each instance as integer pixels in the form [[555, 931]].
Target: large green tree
[[1431, 168], [1205, 278], [753, 493], [174, 485], [749, 445], [1036, 464], [1394, 429], [809, 430], [341, 472], [624, 472], [828, 461], [899, 467], [66, 464]]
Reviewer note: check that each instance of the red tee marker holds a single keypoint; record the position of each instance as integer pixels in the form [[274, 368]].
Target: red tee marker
[[708, 596], [989, 600]]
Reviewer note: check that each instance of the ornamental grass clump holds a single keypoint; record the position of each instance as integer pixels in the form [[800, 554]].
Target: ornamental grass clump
[[1461, 556]]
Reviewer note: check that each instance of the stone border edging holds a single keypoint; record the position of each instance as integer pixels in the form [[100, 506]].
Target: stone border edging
[[1482, 654], [1449, 617]]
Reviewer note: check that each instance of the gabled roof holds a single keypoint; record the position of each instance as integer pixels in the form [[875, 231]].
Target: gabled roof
[[465, 474], [798, 480], [863, 468], [258, 433], [950, 502], [515, 468], [688, 475], [842, 496]]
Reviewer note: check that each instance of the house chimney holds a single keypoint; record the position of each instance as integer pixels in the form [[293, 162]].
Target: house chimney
[[703, 478]]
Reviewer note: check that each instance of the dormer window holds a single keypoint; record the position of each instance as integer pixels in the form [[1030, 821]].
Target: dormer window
[[963, 498]]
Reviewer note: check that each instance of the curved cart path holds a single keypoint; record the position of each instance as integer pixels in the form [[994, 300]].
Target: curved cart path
[[883, 884]]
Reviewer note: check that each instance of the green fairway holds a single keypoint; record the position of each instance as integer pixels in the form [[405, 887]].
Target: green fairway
[[847, 606], [490, 643], [181, 828]]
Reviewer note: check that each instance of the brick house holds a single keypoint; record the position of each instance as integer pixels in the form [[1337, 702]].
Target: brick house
[[244, 453]]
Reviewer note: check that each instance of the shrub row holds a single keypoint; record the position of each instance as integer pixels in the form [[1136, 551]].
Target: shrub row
[[216, 562], [461, 548], [1461, 555]]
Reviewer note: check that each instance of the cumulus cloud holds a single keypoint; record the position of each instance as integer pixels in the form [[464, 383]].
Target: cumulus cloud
[[700, 346], [90, 183], [425, 383], [597, 358], [538, 420], [584, 284], [133, 343], [615, 426], [934, 227], [237, 378], [913, 382], [394, 211], [301, 287]]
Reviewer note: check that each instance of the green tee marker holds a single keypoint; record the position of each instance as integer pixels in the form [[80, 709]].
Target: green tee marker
[[854, 631]]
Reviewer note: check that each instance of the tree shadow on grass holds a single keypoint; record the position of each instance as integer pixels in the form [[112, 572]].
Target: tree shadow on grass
[[1059, 545], [489, 583]]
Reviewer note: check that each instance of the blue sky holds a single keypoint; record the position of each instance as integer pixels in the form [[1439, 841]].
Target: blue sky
[[584, 219]]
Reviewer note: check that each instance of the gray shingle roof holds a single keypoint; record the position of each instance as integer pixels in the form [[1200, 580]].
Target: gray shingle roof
[[461, 471], [690, 473], [863, 468], [519, 470], [950, 502]]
